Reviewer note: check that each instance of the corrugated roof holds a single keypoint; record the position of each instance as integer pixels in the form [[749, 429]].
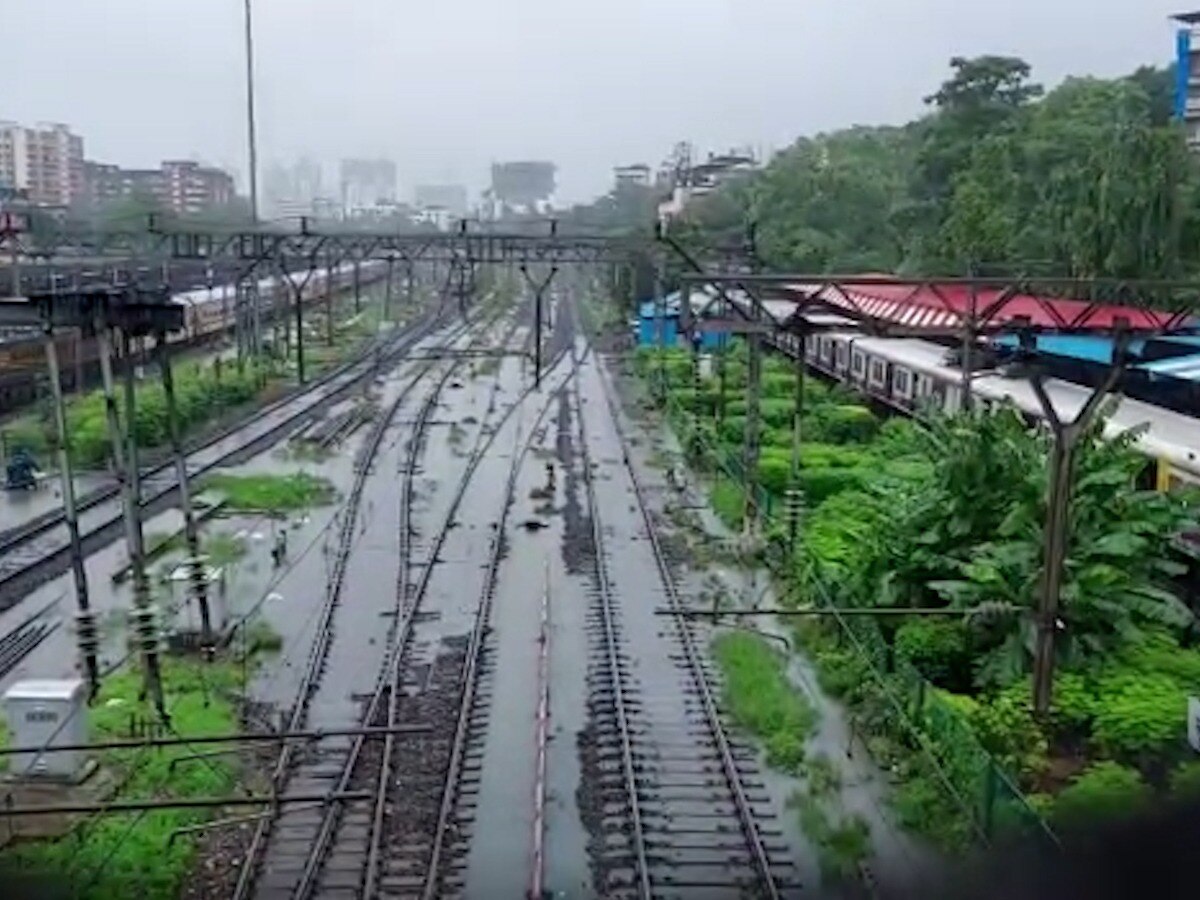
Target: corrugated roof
[[943, 306]]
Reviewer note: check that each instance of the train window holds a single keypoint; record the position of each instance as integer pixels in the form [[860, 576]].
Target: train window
[[841, 354], [857, 363], [877, 373], [901, 381]]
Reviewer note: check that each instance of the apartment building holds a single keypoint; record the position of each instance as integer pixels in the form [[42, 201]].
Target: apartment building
[[180, 186], [45, 162]]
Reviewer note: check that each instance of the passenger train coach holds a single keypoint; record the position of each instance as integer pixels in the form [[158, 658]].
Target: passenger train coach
[[911, 375], [207, 314]]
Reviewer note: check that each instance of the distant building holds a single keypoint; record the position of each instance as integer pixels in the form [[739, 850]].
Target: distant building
[[450, 197], [689, 180], [521, 188], [46, 162], [189, 188], [181, 186], [293, 190], [1187, 75], [637, 175], [367, 182], [108, 182], [436, 216]]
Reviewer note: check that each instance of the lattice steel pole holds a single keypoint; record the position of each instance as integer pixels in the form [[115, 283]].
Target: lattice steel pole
[[85, 620], [751, 448], [196, 569], [143, 617], [794, 496]]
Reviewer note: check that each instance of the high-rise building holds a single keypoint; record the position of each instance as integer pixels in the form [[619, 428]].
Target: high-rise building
[[523, 187], [1187, 75], [294, 190], [367, 183], [46, 162]]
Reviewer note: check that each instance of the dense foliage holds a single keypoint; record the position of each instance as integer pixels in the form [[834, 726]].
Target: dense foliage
[[949, 513], [201, 392], [1089, 179]]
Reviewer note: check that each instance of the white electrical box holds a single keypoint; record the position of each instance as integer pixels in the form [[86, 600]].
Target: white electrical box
[[47, 713]]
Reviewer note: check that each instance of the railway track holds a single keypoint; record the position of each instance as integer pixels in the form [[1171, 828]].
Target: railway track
[[419, 834], [682, 810], [293, 833], [328, 852], [40, 549]]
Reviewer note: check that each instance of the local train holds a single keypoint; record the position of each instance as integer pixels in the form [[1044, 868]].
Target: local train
[[909, 375], [208, 313]]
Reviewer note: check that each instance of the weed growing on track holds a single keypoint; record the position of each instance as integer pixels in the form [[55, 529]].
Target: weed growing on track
[[272, 493], [841, 844], [120, 856], [758, 696], [262, 638], [223, 548]]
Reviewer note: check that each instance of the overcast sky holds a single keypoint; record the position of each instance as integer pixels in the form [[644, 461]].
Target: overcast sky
[[445, 87]]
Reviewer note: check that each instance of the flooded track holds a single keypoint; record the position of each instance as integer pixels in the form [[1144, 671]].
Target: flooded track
[[677, 807]]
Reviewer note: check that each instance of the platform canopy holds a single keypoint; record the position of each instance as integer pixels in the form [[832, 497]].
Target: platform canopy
[[938, 307]]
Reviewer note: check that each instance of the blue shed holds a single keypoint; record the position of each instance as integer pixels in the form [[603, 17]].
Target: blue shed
[[648, 325]]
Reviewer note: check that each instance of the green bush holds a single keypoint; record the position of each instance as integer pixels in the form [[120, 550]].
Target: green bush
[[1139, 716], [819, 485], [936, 649], [1074, 705], [1106, 790], [272, 493], [846, 424], [1007, 730], [922, 806]]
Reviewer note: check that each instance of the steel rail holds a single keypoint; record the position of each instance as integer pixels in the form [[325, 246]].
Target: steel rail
[[316, 854], [470, 676], [390, 673], [320, 648], [750, 831], [19, 534], [612, 655]]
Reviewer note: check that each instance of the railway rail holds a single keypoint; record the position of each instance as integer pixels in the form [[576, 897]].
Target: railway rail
[[293, 852], [40, 549], [329, 852], [666, 762], [416, 858]]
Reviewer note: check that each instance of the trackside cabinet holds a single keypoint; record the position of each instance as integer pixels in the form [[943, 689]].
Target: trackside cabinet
[[47, 713]]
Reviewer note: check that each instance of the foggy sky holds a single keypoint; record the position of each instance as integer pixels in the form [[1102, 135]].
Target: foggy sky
[[445, 87]]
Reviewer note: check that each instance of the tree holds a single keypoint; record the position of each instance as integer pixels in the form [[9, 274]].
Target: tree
[[985, 88], [1089, 180], [1159, 88]]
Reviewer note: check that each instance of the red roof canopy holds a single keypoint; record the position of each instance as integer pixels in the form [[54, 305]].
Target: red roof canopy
[[936, 306]]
